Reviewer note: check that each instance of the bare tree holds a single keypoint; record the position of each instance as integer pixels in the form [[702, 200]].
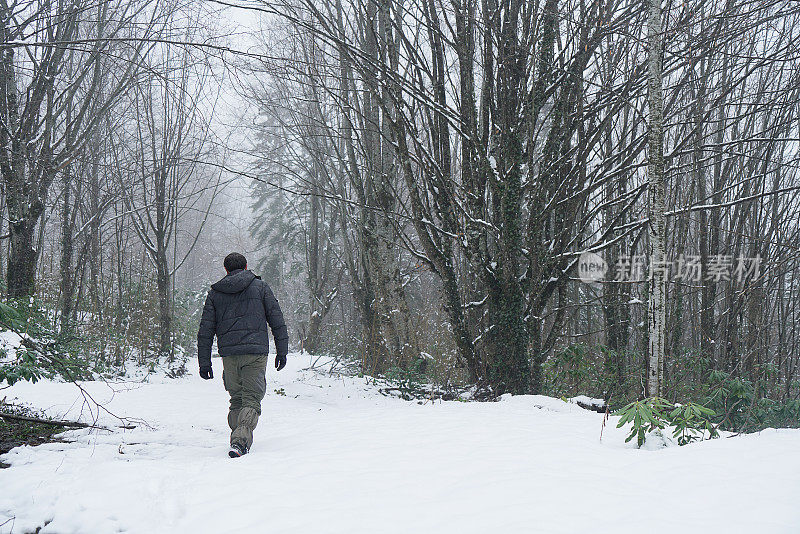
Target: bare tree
[[167, 149], [36, 140]]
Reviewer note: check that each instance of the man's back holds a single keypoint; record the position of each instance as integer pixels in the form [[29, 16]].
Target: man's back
[[237, 310]]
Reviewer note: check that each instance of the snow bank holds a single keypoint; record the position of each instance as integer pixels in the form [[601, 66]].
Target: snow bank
[[9, 343], [332, 455]]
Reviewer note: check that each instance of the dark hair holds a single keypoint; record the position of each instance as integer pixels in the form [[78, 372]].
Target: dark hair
[[234, 261]]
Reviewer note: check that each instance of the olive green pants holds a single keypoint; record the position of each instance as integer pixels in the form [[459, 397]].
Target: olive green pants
[[244, 377]]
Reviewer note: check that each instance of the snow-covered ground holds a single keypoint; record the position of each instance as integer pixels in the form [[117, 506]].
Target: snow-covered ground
[[332, 454], [9, 343]]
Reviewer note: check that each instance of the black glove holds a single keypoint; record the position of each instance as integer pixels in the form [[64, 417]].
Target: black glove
[[280, 361], [206, 373]]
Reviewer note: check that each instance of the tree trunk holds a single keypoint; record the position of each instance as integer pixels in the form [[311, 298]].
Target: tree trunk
[[656, 192], [94, 229], [164, 309], [67, 253], [390, 335], [510, 370], [22, 257]]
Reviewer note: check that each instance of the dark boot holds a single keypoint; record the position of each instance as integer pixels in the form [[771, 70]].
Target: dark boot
[[237, 450]]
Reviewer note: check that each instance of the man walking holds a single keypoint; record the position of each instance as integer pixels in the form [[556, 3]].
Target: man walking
[[237, 311]]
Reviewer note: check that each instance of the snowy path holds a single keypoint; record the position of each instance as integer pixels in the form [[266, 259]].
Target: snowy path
[[333, 455]]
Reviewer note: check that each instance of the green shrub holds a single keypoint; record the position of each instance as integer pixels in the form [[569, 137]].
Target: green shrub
[[596, 371], [691, 421], [44, 353], [645, 416], [26, 367], [738, 404]]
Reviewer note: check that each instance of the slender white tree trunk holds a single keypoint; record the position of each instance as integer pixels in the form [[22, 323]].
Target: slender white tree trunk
[[656, 192]]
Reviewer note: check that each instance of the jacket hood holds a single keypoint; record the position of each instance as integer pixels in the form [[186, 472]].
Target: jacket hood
[[236, 282]]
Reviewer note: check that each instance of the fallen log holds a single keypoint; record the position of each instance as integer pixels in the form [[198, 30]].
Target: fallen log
[[55, 422], [599, 408]]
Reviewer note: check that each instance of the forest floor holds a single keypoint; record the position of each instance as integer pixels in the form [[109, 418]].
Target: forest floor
[[15, 433], [332, 454]]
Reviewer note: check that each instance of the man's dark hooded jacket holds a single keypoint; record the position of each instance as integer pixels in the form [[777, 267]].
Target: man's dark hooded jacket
[[237, 311]]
